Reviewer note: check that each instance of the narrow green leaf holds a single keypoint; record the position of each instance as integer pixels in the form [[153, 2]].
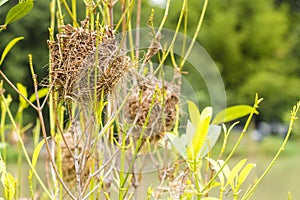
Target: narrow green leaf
[[3, 2], [226, 170], [189, 132], [232, 113], [217, 168], [193, 113], [200, 134], [36, 152], [210, 198], [8, 47], [234, 172], [179, 142], [41, 93], [23, 90], [212, 137], [9, 186], [244, 173], [18, 11]]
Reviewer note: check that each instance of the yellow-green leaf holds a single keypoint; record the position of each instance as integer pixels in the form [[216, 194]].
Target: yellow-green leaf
[[244, 173], [23, 90], [200, 134], [3, 2], [226, 170], [36, 152], [212, 137], [8, 47], [210, 198], [18, 11], [41, 93], [193, 113], [10, 186], [233, 113], [217, 168], [234, 172]]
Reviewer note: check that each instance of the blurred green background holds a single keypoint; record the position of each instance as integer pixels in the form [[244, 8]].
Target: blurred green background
[[255, 44]]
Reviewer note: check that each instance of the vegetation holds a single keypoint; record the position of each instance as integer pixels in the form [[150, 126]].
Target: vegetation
[[116, 103]]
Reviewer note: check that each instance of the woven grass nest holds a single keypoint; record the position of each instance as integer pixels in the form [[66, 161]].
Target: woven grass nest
[[153, 105], [77, 70], [68, 162], [68, 165]]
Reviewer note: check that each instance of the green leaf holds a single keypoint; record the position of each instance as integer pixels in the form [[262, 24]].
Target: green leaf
[[3, 2], [179, 142], [9, 186], [212, 137], [23, 90], [7, 100], [232, 113], [217, 168], [200, 134], [41, 93], [8, 47], [36, 152], [193, 113], [234, 172], [244, 173], [226, 170], [18, 11], [190, 131]]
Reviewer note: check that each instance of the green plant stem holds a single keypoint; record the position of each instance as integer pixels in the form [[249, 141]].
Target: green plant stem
[[2, 128], [176, 32], [292, 119], [138, 144], [111, 13], [103, 131], [138, 25], [16, 89], [75, 24], [74, 13], [254, 108], [185, 25], [24, 149], [122, 167], [41, 118], [195, 33]]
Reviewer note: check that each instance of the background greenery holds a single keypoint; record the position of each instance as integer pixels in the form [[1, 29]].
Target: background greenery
[[255, 44]]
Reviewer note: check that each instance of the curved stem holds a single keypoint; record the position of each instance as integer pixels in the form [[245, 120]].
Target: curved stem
[[254, 108], [24, 148], [195, 34], [293, 118]]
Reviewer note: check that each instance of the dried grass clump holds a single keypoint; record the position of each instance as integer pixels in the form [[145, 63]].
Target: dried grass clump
[[67, 54], [112, 64], [74, 66], [155, 98]]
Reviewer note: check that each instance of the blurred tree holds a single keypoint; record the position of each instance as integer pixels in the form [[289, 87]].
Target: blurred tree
[[34, 28], [254, 44]]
